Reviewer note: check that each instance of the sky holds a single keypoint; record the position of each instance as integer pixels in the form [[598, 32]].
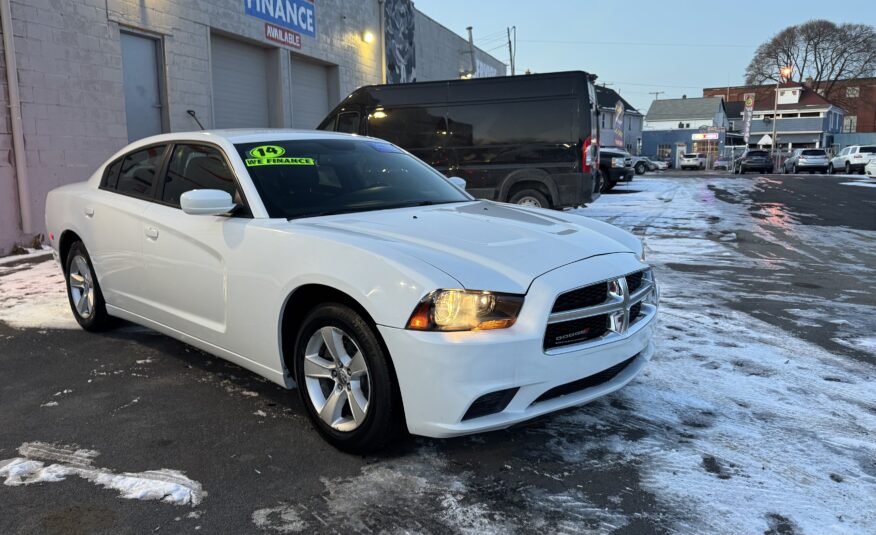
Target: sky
[[637, 47]]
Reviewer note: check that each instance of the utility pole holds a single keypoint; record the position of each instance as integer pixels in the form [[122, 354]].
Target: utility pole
[[656, 94], [471, 51], [511, 48]]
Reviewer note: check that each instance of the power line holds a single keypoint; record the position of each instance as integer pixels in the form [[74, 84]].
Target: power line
[[656, 94], [619, 43]]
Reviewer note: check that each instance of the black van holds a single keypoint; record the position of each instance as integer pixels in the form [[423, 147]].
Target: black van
[[530, 140]]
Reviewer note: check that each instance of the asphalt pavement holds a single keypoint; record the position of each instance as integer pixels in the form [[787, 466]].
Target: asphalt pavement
[[142, 401]]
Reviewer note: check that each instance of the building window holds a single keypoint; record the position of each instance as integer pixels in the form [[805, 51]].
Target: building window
[[853, 92], [850, 124], [810, 114], [664, 151]]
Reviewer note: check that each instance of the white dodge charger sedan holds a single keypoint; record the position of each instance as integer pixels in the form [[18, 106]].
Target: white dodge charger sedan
[[346, 266]]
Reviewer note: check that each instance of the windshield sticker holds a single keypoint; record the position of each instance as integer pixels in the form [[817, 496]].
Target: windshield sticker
[[266, 151], [385, 147], [254, 162]]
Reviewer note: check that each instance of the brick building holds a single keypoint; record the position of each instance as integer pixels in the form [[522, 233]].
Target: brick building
[[93, 75], [856, 96]]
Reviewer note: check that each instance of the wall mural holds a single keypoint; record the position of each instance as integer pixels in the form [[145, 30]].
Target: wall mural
[[401, 62]]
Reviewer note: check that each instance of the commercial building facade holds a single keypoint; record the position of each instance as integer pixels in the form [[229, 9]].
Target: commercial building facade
[[681, 125], [93, 75]]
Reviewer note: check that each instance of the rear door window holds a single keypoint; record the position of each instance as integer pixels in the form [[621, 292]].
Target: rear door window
[[139, 171], [410, 128], [197, 167]]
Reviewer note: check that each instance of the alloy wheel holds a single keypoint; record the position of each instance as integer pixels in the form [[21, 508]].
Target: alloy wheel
[[81, 282], [336, 378]]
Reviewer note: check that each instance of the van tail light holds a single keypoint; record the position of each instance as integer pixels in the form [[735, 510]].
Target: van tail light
[[587, 156]]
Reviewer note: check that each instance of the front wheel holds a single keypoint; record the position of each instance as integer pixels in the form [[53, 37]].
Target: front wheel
[[345, 380], [83, 290], [848, 168], [830, 168], [530, 197]]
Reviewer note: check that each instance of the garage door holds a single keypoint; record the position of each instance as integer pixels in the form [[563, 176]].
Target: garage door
[[310, 95], [240, 84]]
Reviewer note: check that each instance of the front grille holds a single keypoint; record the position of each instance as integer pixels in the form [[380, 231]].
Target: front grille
[[634, 311], [634, 281], [588, 296], [575, 331], [490, 403], [588, 382]]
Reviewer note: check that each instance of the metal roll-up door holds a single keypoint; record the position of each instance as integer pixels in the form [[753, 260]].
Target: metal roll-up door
[[310, 93], [240, 84]]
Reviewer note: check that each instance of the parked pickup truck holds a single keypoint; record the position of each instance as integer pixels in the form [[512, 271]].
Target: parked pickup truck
[[616, 165]]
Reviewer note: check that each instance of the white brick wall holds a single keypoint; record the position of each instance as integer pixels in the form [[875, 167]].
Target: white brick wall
[[70, 71]]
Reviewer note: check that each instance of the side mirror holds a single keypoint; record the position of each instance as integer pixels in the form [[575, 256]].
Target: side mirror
[[458, 182], [206, 202]]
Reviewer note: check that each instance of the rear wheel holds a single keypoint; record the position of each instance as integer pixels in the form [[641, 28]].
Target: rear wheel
[[830, 168], [83, 290], [848, 168], [345, 380], [640, 168], [530, 197]]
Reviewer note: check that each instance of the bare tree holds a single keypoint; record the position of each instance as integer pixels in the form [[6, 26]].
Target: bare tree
[[819, 49]]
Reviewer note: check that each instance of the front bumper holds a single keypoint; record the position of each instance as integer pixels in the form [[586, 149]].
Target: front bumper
[[441, 375]]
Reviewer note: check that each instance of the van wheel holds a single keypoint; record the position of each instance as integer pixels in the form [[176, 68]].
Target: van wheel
[[531, 198], [345, 380]]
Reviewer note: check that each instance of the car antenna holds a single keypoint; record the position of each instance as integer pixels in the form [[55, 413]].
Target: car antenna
[[195, 117]]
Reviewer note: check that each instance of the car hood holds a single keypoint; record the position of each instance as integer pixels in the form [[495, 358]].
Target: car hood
[[485, 245]]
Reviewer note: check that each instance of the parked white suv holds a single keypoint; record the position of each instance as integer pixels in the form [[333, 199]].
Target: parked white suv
[[693, 161], [852, 159]]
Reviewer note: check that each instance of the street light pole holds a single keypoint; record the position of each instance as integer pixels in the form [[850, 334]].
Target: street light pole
[[784, 72]]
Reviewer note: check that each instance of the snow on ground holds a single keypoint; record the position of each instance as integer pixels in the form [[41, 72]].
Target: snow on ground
[[34, 295], [31, 254], [169, 486]]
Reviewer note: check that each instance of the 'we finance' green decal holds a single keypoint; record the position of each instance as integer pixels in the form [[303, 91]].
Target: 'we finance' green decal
[[273, 155]]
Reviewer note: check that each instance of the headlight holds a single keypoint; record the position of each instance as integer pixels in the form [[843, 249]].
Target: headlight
[[465, 310]]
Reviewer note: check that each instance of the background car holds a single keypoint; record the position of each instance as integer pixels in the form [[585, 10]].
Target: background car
[[616, 165], [642, 164], [811, 160], [754, 160], [723, 162], [852, 159], [659, 165], [693, 161], [870, 168]]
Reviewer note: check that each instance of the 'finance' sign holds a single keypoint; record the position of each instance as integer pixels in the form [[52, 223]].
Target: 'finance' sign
[[296, 15]]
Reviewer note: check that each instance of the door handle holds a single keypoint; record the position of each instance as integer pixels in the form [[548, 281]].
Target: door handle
[[151, 233], [89, 212]]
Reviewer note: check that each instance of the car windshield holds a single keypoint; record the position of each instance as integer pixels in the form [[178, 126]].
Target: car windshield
[[305, 178], [813, 152]]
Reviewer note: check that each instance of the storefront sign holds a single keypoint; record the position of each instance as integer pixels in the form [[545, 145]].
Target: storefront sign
[[282, 36], [706, 137], [619, 124], [296, 15], [746, 116]]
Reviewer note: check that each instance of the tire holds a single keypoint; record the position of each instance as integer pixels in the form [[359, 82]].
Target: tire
[[848, 168], [83, 290], [640, 168], [530, 197], [609, 185], [830, 168], [794, 169], [368, 426]]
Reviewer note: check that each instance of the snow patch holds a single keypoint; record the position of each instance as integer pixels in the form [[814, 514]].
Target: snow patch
[[35, 296], [169, 486]]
